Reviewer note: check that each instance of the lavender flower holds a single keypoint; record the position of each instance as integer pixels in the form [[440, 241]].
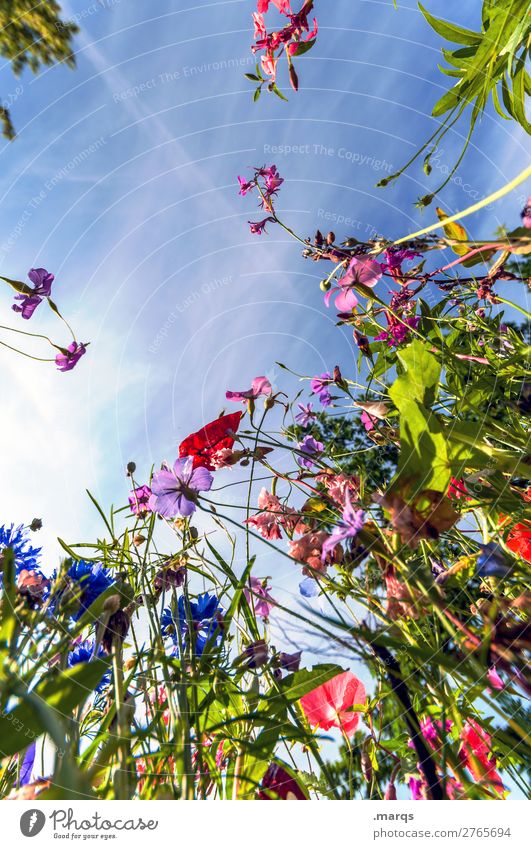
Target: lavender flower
[[175, 492], [348, 527], [309, 448]]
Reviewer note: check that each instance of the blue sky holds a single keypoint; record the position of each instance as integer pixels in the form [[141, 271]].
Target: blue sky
[[122, 182]]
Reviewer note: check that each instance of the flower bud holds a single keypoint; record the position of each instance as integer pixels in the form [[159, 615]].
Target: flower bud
[[331, 237], [36, 525], [390, 792], [130, 468], [111, 604]]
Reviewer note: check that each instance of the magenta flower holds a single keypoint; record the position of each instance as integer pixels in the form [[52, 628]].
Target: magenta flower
[[368, 421], [42, 287], [259, 227], [258, 597], [139, 500], [310, 447], [349, 526], [306, 415], [259, 386], [68, 360], [175, 492], [398, 331], [319, 386], [361, 270], [245, 186]]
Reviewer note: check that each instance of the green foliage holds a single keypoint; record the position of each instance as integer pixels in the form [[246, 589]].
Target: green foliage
[[32, 35]]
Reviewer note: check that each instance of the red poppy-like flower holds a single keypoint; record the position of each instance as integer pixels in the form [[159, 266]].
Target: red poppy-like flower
[[519, 540], [331, 704], [203, 444]]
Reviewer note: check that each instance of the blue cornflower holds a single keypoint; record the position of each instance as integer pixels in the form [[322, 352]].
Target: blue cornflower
[[492, 562], [82, 653], [26, 556], [90, 581], [204, 617]]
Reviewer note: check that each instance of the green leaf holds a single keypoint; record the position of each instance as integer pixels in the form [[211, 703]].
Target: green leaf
[[452, 32], [303, 47], [52, 700], [421, 378], [293, 687]]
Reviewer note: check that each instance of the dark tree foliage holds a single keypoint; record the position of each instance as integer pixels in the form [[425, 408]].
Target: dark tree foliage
[[32, 35]]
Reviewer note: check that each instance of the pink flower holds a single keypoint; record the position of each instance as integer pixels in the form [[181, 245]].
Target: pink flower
[[309, 549], [259, 386], [259, 227], [494, 679], [368, 422], [259, 25], [330, 705], [138, 500], [269, 66], [258, 597], [273, 517], [245, 186], [475, 753], [360, 270], [337, 486]]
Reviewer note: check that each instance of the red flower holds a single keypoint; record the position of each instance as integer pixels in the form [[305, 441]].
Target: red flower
[[331, 703], [210, 439], [519, 540], [475, 754]]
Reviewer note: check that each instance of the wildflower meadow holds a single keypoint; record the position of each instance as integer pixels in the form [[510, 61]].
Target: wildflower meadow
[[389, 490]]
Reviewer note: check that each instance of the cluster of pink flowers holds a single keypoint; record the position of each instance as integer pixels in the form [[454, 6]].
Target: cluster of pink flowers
[[273, 516], [474, 753], [267, 181], [294, 38]]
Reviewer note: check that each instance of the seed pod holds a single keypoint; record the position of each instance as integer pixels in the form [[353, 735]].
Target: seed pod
[[324, 285]]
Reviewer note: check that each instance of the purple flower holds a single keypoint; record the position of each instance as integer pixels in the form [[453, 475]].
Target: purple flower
[[319, 386], [26, 767], [42, 287], [309, 447], [175, 492], [396, 256], [348, 527], [139, 500], [68, 360], [259, 227], [306, 415], [398, 331], [258, 597]]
